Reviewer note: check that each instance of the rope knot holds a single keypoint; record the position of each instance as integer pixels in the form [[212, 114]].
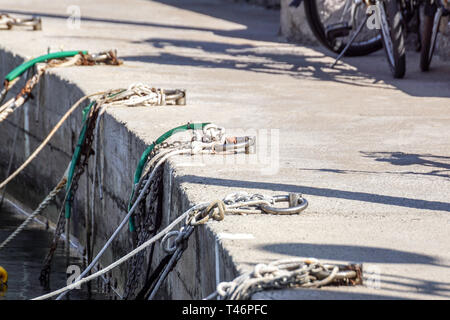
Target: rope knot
[[215, 210]]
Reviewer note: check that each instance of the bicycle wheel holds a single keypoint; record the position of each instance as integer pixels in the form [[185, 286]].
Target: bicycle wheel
[[391, 24], [331, 23], [430, 31]]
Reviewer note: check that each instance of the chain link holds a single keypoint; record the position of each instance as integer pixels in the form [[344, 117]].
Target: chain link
[[9, 22], [86, 152], [288, 273]]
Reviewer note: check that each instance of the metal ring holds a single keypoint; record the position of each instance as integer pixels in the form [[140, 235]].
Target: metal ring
[[242, 142], [165, 244], [302, 204]]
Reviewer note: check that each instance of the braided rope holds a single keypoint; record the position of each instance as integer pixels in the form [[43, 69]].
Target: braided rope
[[7, 111], [142, 95], [44, 204], [47, 139]]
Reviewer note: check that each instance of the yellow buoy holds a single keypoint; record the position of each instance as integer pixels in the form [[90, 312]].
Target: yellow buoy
[[3, 281], [3, 276]]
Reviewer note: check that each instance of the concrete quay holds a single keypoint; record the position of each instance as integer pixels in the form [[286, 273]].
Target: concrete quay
[[370, 153]]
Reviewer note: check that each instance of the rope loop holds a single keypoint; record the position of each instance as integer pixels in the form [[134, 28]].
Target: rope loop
[[165, 244], [215, 210]]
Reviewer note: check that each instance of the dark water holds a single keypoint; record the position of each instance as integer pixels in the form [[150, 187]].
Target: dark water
[[23, 256]]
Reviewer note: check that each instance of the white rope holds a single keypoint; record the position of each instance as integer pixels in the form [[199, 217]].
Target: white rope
[[125, 220], [138, 94], [192, 220], [124, 258], [44, 204]]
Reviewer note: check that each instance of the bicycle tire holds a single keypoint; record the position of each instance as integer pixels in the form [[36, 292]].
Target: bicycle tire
[[428, 38], [396, 58], [317, 28]]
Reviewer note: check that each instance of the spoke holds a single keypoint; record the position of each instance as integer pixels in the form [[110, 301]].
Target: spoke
[[385, 30], [344, 11]]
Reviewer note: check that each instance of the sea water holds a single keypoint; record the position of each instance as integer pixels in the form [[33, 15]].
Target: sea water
[[23, 259]]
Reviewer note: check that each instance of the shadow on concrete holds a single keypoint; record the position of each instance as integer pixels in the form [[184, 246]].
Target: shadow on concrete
[[258, 24], [369, 255], [419, 285], [370, 71], [324, 192], [319, 294], [104, 20], [350, 253], [260, 59], [440, 164]]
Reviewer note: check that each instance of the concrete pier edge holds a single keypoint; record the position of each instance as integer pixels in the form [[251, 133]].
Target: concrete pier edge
[[367, 151], [198, 258]]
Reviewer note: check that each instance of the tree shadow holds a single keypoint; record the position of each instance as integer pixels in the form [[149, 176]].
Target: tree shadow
[[260, 59], [271, 54], [351, 253], [359, 71], [440, 164]]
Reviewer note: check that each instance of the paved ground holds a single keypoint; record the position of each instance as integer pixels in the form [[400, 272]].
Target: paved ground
[[371, 154]]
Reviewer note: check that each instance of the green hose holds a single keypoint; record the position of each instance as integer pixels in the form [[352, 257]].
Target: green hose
[[77, 153], [75, 158], [17, 72], [144, 157]]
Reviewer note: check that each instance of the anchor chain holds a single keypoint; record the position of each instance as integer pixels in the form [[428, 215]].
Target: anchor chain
[[86, 152], [288, 273], [147, 218]]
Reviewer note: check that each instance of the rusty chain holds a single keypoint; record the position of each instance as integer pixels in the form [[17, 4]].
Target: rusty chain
[[9, 22], [86, 152], [288, 273], [147, 218], [81, 59]]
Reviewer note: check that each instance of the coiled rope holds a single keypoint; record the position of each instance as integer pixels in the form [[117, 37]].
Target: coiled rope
[[287, 273]]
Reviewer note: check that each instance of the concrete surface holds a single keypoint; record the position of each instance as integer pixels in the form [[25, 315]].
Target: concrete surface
[[370, 153]]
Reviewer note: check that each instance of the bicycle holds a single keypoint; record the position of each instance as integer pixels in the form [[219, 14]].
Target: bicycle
[[332, 23], [434, 10]]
